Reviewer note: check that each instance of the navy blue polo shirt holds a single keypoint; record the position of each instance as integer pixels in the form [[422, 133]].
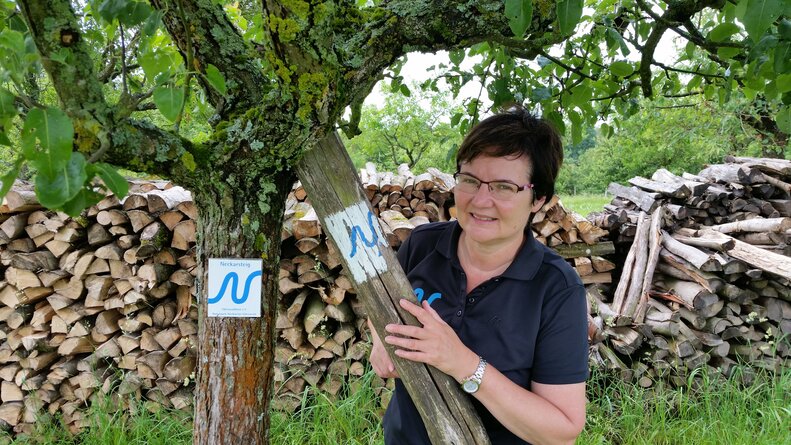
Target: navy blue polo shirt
[[530, 322]]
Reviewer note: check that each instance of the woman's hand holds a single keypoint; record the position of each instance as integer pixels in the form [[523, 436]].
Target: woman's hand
[[380, 361], [435, 343]]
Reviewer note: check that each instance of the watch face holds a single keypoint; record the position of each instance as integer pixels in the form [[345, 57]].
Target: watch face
[[470, 386]]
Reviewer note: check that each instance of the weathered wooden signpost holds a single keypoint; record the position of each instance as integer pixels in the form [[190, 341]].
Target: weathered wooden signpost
[[331, 181]]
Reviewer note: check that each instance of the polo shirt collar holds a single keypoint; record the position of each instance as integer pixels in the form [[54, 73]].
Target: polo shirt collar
[[524, 267]]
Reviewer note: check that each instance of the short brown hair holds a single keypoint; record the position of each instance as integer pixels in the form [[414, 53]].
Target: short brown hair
[[517, 132]]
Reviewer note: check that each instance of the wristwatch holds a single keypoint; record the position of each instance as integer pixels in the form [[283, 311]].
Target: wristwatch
[[473, 382]]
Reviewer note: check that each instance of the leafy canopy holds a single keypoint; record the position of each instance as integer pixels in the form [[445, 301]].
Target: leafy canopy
[[575, 62]]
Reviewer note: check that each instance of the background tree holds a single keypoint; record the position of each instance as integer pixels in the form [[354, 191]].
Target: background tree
[[224, 99], [412, 128], [679, 135]]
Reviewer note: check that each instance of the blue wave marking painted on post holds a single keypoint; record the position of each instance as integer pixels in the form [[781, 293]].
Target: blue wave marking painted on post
[[419, 293], [234, 277], [357, 232]]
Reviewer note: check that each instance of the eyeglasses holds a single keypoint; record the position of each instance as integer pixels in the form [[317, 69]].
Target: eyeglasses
[[501, 190]]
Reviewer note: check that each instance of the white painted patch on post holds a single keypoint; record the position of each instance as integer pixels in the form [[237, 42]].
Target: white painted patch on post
[[360, 240]]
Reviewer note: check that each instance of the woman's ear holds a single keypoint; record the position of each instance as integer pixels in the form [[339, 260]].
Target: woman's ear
[[537, 204]]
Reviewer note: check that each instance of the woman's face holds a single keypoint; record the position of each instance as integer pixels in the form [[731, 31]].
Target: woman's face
[[486, 219]]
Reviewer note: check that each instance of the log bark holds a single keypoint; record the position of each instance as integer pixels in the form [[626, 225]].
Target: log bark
[[380, 282]]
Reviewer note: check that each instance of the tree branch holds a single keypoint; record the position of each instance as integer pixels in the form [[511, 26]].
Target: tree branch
[[397, 27], [681, 70], [559, 63], [139, 146], [215, 41]]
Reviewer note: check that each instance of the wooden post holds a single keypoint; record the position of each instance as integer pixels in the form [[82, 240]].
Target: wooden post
[[331, 181]]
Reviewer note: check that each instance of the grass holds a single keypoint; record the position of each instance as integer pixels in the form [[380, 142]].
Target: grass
[[719, 412], [584, 204], [353, 420]]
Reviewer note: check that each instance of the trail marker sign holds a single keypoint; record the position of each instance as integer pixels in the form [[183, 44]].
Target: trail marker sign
[[234, 287]]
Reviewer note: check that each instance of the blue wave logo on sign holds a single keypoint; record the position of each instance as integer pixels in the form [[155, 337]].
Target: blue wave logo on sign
[[233, 278]]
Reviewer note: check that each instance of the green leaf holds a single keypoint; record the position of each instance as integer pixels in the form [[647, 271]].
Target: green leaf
[[606, 130], [152, 23], [557, 119], [112, 179], [540, 94], [783, 120], [576, 126], [519, 14], [169, 101], [405, 90], [581, 94], [621, 69], [456, 56], [783, 58], [4, 139], [110, 10], [728, 53], [154, 63], [455, 119], [784, 29], [216, 79], [12, 40], [84, 199], [783, 83], [55, 134], [55, 189], [569, 14], [613, 34], [689, 49], [8, 178], [135, 13], [7, 108], [722, 31], [694, 83], [759, 15]]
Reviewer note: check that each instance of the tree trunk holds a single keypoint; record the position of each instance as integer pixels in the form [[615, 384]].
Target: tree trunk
[[235, 355]]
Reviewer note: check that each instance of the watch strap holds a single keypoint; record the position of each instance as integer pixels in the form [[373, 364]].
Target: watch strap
[[477, 376]]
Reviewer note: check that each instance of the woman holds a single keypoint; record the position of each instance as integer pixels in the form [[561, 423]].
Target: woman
[[501, 313]]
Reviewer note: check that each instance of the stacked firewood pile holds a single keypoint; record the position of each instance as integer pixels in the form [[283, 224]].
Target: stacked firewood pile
[[100, 304], [705, 282], [104, 303], [323, 339]]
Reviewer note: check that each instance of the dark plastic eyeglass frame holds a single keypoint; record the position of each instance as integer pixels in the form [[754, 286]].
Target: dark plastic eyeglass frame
[[519, 188]]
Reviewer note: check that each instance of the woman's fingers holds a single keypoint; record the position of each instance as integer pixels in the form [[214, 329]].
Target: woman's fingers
[[405, 330], [431, 311], [380, 361], [415, 310]]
